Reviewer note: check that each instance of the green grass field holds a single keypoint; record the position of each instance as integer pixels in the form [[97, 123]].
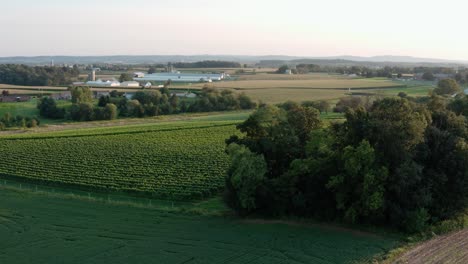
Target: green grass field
[[47, 228], [29, 109]]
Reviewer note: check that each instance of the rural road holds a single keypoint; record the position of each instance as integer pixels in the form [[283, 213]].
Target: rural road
[[451, 248]]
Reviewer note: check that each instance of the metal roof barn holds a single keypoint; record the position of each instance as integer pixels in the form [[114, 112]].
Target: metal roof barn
[[181, 77]]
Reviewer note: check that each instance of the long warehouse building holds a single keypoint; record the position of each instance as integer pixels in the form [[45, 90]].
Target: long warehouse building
[[179, 77]]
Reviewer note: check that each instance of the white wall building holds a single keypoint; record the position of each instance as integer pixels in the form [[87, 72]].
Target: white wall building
[[100, 83], [180, 77], [130, 84]]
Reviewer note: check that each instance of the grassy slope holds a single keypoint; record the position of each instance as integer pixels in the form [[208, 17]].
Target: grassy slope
[[45, 229]]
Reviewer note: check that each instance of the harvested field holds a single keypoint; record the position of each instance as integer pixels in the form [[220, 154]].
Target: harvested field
[[452, 248], [305, 83]]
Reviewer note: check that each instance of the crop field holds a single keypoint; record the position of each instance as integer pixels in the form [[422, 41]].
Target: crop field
[[34, 88], [278, 88], [180, 160], [333, 83], [451, 248], [41, 228]]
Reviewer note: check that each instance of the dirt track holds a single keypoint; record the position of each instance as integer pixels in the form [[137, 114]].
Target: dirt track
[[451, 248]]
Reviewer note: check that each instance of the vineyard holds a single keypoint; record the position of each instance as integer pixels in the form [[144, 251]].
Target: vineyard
[[179, 160]]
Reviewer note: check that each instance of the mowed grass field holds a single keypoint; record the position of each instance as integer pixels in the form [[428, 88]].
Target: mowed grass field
[[46, 228]]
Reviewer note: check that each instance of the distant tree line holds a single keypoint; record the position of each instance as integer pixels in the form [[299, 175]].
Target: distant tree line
[[445, 87], [400, 162], [17, 74], [207, 64], [145, 103], [370, 72]]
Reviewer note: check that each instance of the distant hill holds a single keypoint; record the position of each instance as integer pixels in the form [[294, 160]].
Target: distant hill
[[277, 59]]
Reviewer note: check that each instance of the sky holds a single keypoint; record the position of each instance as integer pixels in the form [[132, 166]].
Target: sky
[[431, 29]]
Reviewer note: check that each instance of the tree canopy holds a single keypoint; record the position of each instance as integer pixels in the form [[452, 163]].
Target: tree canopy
[[398, 163]]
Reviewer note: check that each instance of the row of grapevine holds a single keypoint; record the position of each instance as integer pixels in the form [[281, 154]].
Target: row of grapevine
[[179, 162]]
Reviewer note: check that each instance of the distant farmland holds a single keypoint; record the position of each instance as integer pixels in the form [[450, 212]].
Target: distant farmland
[[277, 88]]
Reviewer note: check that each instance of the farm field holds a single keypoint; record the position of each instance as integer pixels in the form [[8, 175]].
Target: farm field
[[278, 88], [343, 84], [48, 229], [22, 87], [175, 160], [29, 109], [451, 248]]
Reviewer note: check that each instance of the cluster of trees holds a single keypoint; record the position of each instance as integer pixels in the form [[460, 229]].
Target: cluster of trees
[[8, 120], [322, 105], [354, 102], [82, 108], [48, 108], [212, 99], [143, 103], [447, 87], [399, 163], [161, 102], [370, 72], [39, 75], [207, 64]]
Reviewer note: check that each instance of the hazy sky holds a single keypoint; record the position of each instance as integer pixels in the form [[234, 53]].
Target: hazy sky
[[433, 29]]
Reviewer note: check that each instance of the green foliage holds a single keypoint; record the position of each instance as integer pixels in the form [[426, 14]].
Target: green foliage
[[39, 75], [173, 160], [399, 162], [8, 120], [447, 87], [211, 99], [460, 106], [103, 100], [125, 77], [359, 189], [245, 175], [282, 69], [346, 103], [81, 95], [48, 108], [152, 70], [428, 76]]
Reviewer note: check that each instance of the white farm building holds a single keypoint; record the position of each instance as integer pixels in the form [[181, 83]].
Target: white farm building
[[179, 77], [130, 84], [100, 83]]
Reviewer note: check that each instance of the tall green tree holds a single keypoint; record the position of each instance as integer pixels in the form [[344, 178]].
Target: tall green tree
[[447, 87], [125, 77], [245, 176]]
